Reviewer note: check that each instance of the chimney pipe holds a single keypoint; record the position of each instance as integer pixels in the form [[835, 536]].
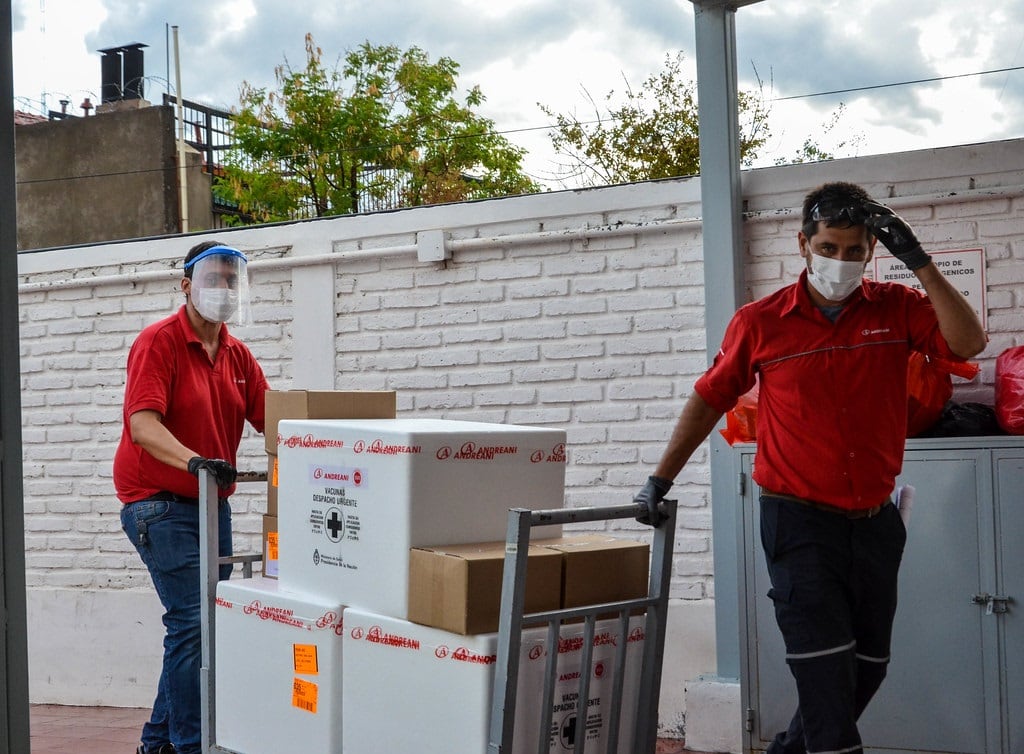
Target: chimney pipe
[[122, 72]]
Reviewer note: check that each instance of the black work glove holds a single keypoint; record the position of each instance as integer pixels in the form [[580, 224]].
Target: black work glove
[[650, 495], [895, 235], [223, 472]]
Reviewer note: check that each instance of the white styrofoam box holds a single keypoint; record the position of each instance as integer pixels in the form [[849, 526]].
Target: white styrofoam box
[[355, 495], [277, 669], [409, 687]]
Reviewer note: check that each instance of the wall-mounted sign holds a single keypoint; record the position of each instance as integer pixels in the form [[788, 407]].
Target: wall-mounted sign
[[964, 268]]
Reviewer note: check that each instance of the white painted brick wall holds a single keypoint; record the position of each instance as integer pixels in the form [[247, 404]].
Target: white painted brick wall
[[602, 334]]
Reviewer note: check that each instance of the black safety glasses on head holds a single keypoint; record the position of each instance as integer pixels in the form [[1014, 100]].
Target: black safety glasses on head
[[834, 215]]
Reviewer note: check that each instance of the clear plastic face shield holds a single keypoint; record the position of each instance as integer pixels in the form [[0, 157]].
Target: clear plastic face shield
[[220, 285]]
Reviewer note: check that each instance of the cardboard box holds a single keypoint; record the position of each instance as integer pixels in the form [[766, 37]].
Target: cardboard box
[[412, 688], [357, 495], [270, 547], [324, 404], [278, 672], [458, 587], [598, 568], [272, 484]]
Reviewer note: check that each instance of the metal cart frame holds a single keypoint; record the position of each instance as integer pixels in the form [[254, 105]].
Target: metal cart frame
[[512, 620], [209, 562]]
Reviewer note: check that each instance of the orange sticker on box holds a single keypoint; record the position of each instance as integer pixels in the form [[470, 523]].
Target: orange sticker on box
[[271, 545], [304, 695], [305, 659], [273, 475]]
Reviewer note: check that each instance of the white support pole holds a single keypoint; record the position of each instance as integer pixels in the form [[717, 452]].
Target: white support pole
[[721, 212], [182, 174]]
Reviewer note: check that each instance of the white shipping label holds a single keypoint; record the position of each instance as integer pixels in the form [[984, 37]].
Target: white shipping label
[[333, 514], [567, 725]]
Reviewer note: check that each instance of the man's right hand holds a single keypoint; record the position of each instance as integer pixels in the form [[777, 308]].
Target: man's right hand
[[650, 496], [223, 472], [896, 235]]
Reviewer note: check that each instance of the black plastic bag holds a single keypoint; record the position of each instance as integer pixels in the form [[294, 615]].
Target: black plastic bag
[[965, 420]]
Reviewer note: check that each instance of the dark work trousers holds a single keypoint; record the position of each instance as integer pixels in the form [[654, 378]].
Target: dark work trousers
[[834, 589]]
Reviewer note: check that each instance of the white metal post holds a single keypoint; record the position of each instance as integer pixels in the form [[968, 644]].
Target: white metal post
[[721, 213], [209, 569]]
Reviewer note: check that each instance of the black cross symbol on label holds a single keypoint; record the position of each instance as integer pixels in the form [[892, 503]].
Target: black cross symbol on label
[[335, 525]]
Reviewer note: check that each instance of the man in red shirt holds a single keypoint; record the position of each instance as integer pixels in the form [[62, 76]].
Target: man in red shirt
[[190, 387], [829, 354]]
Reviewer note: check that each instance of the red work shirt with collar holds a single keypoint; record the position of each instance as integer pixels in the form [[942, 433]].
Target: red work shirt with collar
[[832, 396], [204, 404]]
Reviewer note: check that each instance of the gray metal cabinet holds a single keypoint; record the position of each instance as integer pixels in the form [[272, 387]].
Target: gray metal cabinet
[[956, 681], [1009, 490]]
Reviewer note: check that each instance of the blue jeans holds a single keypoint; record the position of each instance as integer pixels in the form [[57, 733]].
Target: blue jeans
[[166, 534]]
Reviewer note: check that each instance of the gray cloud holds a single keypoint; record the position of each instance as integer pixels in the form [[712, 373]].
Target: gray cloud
[[801, 47], [217, 62], [809, 48], [1008, 52], [18, 15]]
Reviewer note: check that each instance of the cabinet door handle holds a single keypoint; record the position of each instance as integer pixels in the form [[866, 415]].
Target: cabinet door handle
[[994, 603]]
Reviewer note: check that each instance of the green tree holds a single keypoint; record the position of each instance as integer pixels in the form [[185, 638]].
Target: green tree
[[386, 126], [654, 132]]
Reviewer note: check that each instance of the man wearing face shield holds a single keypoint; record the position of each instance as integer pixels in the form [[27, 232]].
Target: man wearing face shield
[[829, 353], [190, 388]]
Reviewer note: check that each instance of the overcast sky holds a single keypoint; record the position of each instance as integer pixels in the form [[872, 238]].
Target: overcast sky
[[521, 52]]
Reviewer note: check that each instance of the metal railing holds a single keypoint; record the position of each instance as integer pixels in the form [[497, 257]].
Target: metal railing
[[209, 130]]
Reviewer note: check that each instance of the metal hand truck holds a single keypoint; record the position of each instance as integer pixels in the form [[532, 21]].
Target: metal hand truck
[[209, 562], [512, 621], [510, 628]]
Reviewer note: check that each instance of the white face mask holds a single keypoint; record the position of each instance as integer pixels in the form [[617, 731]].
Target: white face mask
[[832, 278], [216, 304]]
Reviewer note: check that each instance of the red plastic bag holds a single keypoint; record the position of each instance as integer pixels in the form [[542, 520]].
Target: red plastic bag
[[741, 420], [929, 388], [1010, 390]]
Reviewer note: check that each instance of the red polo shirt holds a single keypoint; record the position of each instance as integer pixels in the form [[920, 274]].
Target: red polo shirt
[[204, 404], [832, 401]]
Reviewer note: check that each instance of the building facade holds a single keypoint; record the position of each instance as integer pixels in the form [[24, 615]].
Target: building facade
[[582, 310]]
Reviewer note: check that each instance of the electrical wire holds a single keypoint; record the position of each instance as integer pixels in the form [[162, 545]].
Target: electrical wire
[[850, 90], [897, 83]]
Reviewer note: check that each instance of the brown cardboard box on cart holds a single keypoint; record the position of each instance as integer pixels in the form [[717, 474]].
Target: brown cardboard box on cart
[[598, 568], [270, 545], [317, 404], [458, 587], [271, 485], [324, 404]]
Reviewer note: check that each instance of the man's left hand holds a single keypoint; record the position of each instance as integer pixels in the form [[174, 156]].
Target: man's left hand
[[650, 495], [223, 472], [895, 235]]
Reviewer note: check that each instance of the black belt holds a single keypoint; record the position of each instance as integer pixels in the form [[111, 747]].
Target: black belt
[[846, 512], [171, 497]]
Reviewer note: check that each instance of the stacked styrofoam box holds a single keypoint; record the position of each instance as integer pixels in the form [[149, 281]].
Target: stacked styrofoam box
[[353, 497], [356, 495], [411, 688], [278, 670]]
